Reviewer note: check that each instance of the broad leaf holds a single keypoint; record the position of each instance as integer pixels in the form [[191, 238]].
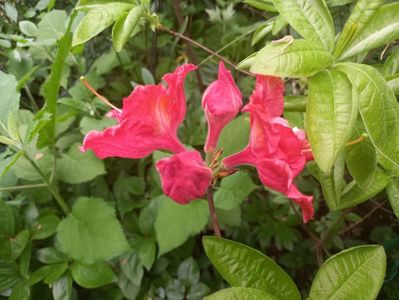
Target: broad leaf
[[92, 276], [297, 58], [242, 266], [9, 96], [124, 27], [241, 293], [393, 83], [9, 275], [391, 64], [355, 273], [311, 18], [97, 19], [393, 195], [378, 109], [52, 25], [89, 237], [381, 29], [234, 190], [76, 167], [359, 18], [234, 136], [330, 115], [176, 222]]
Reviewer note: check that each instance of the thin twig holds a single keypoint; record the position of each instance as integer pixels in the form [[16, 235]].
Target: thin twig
[[212, 211], [224, 59]]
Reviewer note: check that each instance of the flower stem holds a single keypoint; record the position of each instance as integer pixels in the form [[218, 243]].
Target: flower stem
[[212, 211]]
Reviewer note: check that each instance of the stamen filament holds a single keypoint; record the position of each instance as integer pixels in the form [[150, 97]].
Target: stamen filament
[[101, 97]]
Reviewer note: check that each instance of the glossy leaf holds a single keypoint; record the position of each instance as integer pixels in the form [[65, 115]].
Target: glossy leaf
[[355, 273], [297, 58], [124, 27], [393, 195], [242, 266], [176, 222], [93, 275], [382, 28], [330, 115], [378, 109], [234, 190], [241, 293], [358, 20], [97, 19], [81, 235], [310, 18]]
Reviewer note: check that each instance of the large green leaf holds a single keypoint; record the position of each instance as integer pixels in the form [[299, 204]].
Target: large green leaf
[[92, 232], [240, 293], [76, 167], [393, 195], [330, 115], [125, 26], [93, 275], [378, 109], [242, 266], [176, 222], [382, 28], [97, 19], [355, 273], [233, 190], [9, 96], [297, 58], [361, 14], [311, 18]]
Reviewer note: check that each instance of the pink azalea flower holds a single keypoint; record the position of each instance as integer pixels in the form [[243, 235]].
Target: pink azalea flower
[[184, 176], [277, 151], [221, 102], [148, 121]]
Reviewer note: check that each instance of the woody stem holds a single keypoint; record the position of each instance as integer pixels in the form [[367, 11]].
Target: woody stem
[[212, 211]]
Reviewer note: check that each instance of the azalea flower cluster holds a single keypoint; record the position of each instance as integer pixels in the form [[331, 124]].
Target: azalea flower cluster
[[150, 118]]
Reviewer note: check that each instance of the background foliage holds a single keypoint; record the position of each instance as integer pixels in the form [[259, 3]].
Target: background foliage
[[117, 236]]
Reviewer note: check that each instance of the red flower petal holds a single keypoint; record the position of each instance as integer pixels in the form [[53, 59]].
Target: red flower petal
[[184, 176]]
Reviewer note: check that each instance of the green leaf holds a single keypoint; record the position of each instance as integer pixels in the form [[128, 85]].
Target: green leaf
[[28, 28], [311, 19], [391, 65], [45, 227], [378, 109], [97, 19], [62, 288], [266, 5], [355, 273], [393, 195], [11, 11], [234, 136], [240, 293], [234, 190], [7, 220], [132, 267], [7, 163], [381, 29], [88, 123], [298, 58], [175, 223], [21, 291], [124, 27], [93, 236], [9, 275], [52, 86], [92, 276], [52, 25], [55, 271], [76, 167], [12, 248], [393, 83], [188, 272], [147, 252], [330, 115], [9, 96], [357, 21], [243, 266]]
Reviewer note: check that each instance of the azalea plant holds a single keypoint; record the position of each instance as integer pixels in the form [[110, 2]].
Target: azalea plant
[[277, 133]]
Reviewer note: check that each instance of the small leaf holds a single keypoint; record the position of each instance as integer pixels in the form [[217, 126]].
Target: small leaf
[[147, 76], [147, 253], [355, 273], [393, 195], [28, 28], [62, 288], [175, 222], [7, 220], [97, 19], [9, 275], [298, 58], [93, 236], [188, 272], [93, 275], [391, 65], [21, 291], [330, 116], [311, 19], [234, 136], [46, 226], [8, 95], [241, 293], [234, 190], [243, 266], [124, 27]]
